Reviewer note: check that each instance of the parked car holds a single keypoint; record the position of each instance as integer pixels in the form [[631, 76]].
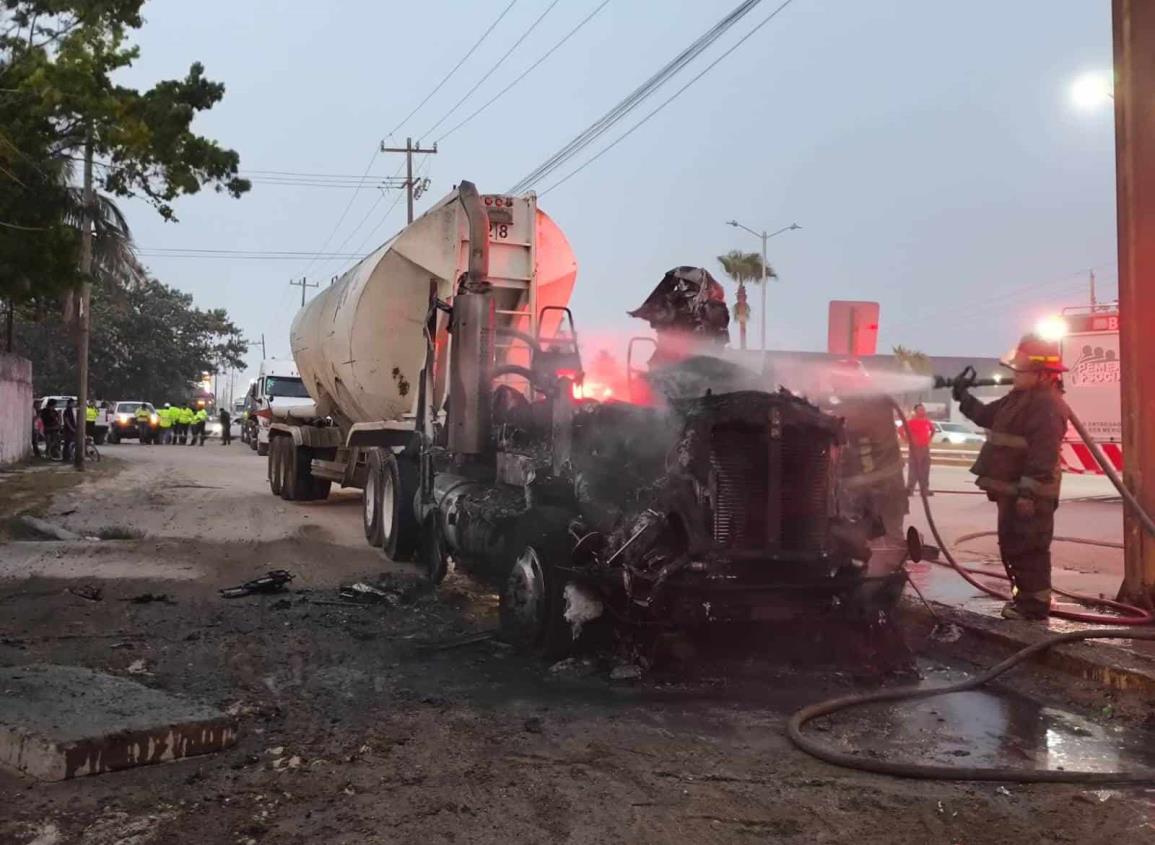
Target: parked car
[[958, 435], [125, 424]]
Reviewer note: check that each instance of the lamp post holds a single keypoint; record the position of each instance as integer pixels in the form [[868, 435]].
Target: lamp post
[[765, 265]]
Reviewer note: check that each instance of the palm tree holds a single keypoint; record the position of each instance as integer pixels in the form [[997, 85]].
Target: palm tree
[[914, 361], [742, 267], [113, 259]]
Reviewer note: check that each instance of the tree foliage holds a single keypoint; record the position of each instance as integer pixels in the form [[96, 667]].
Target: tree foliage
[[148, 342], [913, 361], [745, 267], [57, 96]]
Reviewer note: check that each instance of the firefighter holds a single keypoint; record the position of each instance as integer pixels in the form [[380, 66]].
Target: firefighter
[[200, 417], [1018, 467], [165, 416]]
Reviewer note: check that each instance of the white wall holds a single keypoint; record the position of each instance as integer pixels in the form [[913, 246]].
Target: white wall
[[15, 408]]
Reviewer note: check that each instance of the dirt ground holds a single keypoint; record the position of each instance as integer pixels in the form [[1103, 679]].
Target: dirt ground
[[358, 724]]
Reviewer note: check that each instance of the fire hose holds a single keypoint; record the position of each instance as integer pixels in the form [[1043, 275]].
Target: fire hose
[[926, 771], [1135, 616], [1131, 615]]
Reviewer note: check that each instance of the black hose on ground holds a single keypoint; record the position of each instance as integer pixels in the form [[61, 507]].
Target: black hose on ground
[[926, 771]]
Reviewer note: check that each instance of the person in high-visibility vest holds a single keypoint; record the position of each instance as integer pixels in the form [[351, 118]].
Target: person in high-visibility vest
[[165, 415], [186, 421], [190, 417], [200, 416], [90, 415], [143, 426]]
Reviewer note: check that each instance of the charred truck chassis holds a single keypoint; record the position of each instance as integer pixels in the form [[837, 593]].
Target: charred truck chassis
[[719, 508]]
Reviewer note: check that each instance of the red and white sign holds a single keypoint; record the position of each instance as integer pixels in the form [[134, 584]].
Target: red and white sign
[[1093, 389]]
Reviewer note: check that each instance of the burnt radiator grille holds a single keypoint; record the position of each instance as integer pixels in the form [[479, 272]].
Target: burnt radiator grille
[[805, 468], [740, 457]]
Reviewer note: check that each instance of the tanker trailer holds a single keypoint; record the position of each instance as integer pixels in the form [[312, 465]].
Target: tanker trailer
[[362, 345]]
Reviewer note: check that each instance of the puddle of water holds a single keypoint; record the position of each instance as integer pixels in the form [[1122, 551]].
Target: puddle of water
[[995, 728]]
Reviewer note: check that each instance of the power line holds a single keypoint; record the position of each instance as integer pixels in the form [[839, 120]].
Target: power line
[[525, 72], [377, 148], [491, 70], [669, 99], [635, 98], [455, 68], [20, 228], [426, 163]]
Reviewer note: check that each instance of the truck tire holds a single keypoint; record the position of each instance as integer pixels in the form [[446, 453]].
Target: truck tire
[[298, 483], [371, 501], [292, 488], [399, 529], [275, 473], [320, 487], [100, 437], [532, 606], [113, 438]]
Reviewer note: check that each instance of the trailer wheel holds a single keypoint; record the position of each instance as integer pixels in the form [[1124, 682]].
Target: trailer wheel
[[400, 533], [275, 473], [532, 609], [294, 487], [372, 500], [262, 449]]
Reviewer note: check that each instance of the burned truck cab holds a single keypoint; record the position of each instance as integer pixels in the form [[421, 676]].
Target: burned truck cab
[[717, 502]]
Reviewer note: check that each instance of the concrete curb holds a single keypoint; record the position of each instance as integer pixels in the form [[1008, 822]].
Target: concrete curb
[[1104, 663]]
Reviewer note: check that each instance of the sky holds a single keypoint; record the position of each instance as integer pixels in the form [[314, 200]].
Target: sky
[[929, 151]]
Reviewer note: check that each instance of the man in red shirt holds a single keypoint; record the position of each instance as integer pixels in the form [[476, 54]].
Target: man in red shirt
[[921, 434]]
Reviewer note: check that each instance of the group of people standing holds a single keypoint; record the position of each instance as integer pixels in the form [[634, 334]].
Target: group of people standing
[[52, 424], [182, 425]]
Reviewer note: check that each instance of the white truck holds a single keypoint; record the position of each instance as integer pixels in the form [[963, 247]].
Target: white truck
[[277, 391], [1090, 349], [360, 349]]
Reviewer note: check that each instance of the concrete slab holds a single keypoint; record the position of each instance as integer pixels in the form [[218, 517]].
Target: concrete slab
[[60, 722], [1124, 665]]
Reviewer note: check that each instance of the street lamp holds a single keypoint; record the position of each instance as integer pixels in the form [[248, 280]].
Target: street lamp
[[765, 265], [1091, 90]]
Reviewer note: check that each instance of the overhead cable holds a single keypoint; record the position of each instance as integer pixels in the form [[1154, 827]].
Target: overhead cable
[[635, 98], [669, 99], [524, 73], [491, 70]]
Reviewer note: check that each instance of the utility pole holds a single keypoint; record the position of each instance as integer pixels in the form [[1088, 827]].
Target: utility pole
[[409, 151], [1134, 49], [1094, 301], [763, 236], [83, 323], [302, 284], [762, 310]]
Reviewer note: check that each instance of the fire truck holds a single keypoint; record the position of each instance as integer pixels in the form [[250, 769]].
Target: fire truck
[[1090, 349]]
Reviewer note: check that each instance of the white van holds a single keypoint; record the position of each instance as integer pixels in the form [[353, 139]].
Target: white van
[[277, 389]]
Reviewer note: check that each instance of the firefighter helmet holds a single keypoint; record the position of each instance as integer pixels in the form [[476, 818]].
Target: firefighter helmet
[[1034, 354]]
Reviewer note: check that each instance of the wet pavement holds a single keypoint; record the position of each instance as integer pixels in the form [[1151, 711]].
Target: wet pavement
[[990, 727]]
